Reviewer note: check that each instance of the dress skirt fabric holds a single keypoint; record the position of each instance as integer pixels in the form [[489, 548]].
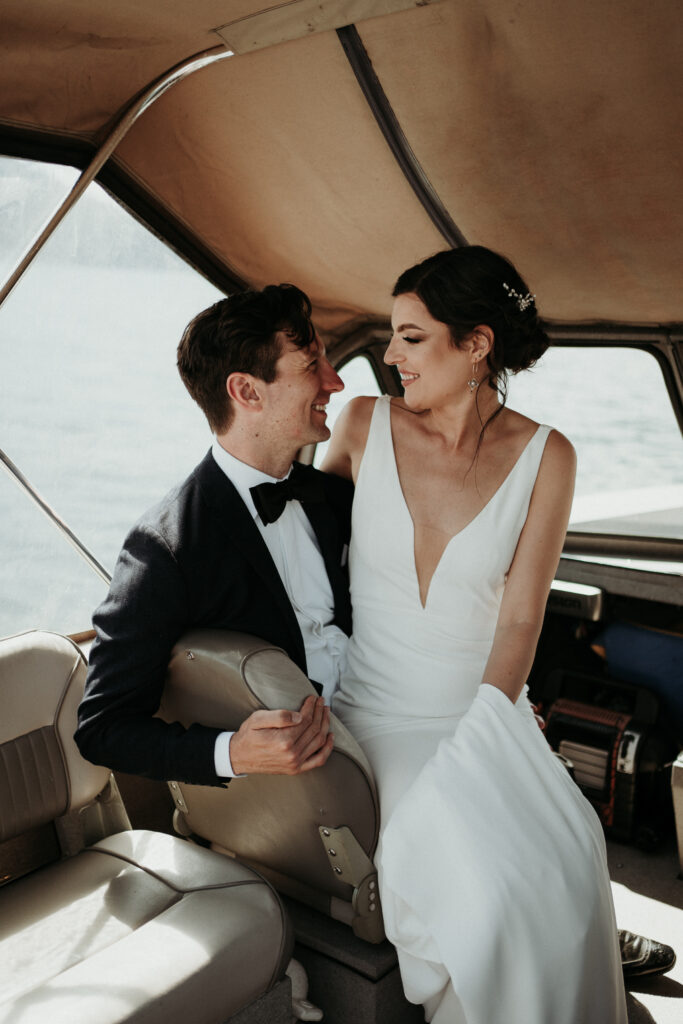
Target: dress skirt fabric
[[494, 881]]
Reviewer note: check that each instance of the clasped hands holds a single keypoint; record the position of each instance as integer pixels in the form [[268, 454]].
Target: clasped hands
[[283, 742]]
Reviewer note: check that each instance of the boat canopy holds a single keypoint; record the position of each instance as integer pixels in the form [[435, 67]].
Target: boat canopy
[[336, 143]]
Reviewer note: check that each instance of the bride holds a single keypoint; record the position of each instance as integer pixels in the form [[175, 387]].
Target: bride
[[491, 863]]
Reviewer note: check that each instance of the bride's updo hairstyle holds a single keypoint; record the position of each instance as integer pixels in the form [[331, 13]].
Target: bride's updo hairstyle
[[467, 287]]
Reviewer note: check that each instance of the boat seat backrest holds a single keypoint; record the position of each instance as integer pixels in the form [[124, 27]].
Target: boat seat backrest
[[114, 925], [314, 834], [42, 774]]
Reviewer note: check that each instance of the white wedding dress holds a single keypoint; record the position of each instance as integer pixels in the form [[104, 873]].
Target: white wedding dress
[[491, 863]]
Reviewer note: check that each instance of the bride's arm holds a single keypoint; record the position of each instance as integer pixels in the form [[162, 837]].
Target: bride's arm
[[349, 437], [533, 569]]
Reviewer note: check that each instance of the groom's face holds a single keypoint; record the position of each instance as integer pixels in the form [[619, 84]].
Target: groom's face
[[296, 401]]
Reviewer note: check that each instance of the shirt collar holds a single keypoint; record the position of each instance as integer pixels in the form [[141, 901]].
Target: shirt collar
[[242, 475]]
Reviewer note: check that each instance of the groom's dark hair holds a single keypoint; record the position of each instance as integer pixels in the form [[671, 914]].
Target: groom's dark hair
[[239, 335]]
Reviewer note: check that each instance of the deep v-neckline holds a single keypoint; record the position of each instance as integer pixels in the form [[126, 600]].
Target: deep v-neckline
[[463, 529]]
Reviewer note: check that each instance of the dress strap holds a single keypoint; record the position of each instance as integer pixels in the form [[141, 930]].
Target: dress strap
[[510, 504], [534, 452], [379, 444]]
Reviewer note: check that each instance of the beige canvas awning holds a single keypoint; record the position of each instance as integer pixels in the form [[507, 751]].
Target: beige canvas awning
[[551, 132]]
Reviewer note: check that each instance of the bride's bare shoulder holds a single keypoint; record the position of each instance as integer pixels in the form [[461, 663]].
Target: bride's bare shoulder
[[403, 416], [399, 406], [559, 451], [354, 419], [349, 437], [513, 424]]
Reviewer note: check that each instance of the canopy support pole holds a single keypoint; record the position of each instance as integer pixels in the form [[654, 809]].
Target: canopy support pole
[[148, 96], [29, 489], [388, 123]]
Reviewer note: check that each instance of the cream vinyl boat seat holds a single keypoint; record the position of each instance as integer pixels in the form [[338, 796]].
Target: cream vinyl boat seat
[[123, 926], [313, 835]]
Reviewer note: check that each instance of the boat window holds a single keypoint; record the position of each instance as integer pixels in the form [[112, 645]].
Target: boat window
[[30, 193], [613, 405], [43, 580], [359, 379], [92, 410]]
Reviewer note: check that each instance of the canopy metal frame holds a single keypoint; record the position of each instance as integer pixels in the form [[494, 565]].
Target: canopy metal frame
[[54, 518], [130, 115], [154, 91], [389, 125]]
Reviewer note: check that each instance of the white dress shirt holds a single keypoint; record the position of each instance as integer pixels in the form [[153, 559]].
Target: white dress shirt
[[294, 548]]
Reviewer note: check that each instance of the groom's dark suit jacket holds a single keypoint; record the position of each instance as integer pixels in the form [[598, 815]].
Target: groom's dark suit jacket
[[195, 560]]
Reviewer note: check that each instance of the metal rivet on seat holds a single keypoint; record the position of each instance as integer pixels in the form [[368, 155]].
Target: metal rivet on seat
[[338, 871], [372, 885], [189, 655], [332, 853], [326, 832]]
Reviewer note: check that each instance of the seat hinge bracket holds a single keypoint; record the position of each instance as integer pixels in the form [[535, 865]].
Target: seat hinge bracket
[[351, 864]]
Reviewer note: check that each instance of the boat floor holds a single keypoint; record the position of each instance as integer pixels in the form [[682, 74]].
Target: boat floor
[[648, 896]]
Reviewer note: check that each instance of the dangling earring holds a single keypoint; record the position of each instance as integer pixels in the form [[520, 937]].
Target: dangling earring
[[473, 383]]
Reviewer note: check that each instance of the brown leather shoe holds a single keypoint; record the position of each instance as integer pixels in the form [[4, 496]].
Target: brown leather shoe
[[641, 956]]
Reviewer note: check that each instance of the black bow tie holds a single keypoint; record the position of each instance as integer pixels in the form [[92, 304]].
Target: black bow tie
[[300, 485]]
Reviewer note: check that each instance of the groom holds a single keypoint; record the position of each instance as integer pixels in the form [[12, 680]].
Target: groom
[[237, 547], [234, 548]]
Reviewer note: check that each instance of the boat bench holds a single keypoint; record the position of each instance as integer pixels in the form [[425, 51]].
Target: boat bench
[[120, 925]]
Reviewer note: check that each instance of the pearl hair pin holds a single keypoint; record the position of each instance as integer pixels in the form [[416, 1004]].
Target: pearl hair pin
[[522, 301]]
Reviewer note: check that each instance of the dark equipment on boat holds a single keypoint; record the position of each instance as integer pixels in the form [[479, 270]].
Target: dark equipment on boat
[[620, 753]]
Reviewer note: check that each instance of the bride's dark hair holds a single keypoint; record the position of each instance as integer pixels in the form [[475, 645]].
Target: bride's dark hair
[[466, 287]]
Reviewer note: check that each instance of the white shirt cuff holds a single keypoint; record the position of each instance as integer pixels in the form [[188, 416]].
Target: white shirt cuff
[[221, 757]]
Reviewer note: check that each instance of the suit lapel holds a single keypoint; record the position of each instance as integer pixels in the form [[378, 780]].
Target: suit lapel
[[241, 531], [326, 530]]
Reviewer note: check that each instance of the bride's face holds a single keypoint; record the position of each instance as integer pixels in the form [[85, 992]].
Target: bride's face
[[433, 371]]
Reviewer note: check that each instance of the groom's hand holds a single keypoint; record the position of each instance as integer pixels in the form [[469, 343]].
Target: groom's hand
[[283, 742]]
